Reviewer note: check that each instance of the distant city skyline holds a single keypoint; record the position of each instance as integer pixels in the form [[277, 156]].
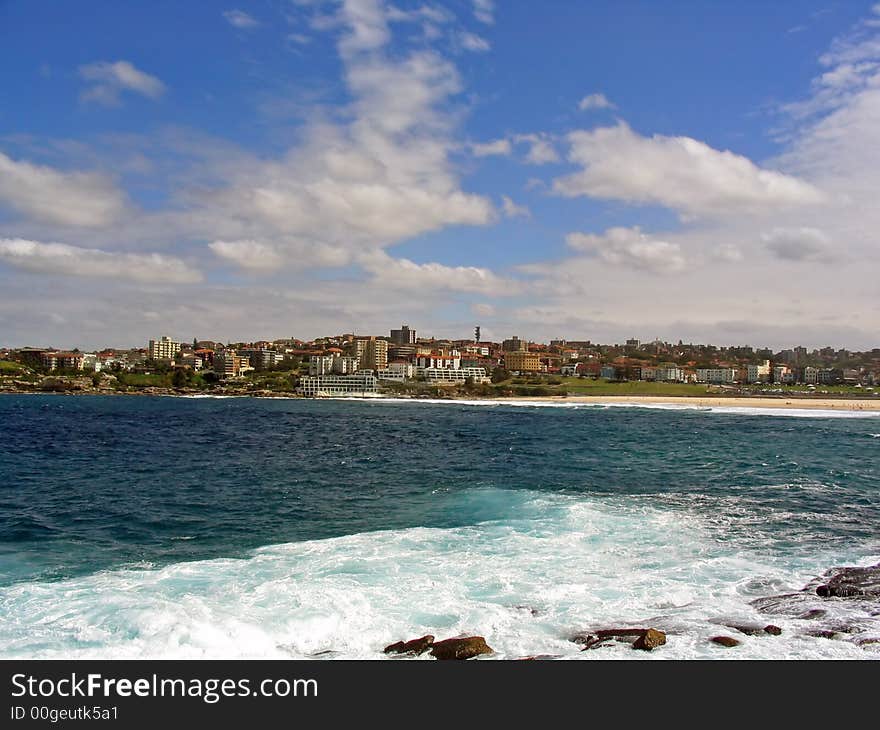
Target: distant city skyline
[[702, 172]]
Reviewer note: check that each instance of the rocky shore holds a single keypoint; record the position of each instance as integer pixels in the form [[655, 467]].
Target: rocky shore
[[841, 605]]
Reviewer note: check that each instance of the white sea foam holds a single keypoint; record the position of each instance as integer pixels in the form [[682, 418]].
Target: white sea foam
[[555, 565]]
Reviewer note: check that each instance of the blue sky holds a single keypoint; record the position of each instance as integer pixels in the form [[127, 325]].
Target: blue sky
[[599, 170]]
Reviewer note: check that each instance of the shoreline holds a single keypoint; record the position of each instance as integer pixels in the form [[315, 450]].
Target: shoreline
[[732, 401], [824, 403]]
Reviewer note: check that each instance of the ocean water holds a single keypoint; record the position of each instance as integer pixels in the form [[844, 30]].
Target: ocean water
[[152, 527]]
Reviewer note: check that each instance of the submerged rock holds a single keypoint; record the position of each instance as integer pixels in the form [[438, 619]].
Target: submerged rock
[[465, 647], [727, 641], [414, 646]]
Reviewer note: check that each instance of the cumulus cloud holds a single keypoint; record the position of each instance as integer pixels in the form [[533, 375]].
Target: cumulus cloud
[[500, 147], [61, 258], [484, 11], [630, 248], [382, 177], [240, 19], [84, 199], [473, 42], [595, 101], [798, 244], [260, 256], [403, 274], [108, 80], [677, 172], [512, 210], [541, 150]]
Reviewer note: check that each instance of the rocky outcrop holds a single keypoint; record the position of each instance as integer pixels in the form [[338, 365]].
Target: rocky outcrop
[[754, 629], [727, 641], [651, 639], [414, 646], [851, 582], [464, 647], [844, 602], [645, 639]]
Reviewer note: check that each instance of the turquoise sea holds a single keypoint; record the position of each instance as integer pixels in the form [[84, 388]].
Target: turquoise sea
[[158, 527]]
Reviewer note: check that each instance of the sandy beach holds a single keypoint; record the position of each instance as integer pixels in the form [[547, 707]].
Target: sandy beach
[[824, 404]]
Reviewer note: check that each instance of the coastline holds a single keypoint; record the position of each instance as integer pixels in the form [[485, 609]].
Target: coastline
[[733, 401], [729, 401]]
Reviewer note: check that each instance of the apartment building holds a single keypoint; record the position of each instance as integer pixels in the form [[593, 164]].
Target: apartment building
[[362, 383], [520, 361], [163, 349]]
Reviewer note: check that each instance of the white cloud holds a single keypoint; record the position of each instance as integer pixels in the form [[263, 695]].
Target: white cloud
[[798, 244], [109, 79], [541, 150], [512, 210], [60, 258], [483, 309], [677, 172], [397, 274], [473, 42], [630, 248], [382, 177], [260, 256], [595, 101], [367, 26], [496, 147], [85, 199], [484, 11], [240, 19]]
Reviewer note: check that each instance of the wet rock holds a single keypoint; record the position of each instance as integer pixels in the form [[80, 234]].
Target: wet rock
[[727, 641], [754, 629], [822, 633], [851, 582], [414, 646], [465, 647], [539, 657], [813, 614], [651, 639], [532, 611], [640, 638]]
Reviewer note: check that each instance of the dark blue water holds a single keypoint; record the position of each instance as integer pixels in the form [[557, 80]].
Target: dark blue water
[[90, 483]]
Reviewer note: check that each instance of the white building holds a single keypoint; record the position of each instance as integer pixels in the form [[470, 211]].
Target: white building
[[363, 383], [811, 376], [716, 375], [336, 364], [163, 349], [449, 376], [397, 371], [758, 373], [669, 374]]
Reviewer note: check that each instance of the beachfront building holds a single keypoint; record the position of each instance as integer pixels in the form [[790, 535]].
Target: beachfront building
[[669, 374], [522, 361], [717, 376], [397, 372], [337, 364], [163, 349], [442, 359], [362, 383], [448, 376], [261, 357], [229, 364], [372, 354], [52, 360], [759, 373]]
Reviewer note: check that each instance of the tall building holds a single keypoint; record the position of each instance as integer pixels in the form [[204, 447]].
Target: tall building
[[403, 336], [515, 344], [163, 349], [372, 354]]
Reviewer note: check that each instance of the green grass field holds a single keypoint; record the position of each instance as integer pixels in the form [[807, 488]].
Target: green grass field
[[7, 367]]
